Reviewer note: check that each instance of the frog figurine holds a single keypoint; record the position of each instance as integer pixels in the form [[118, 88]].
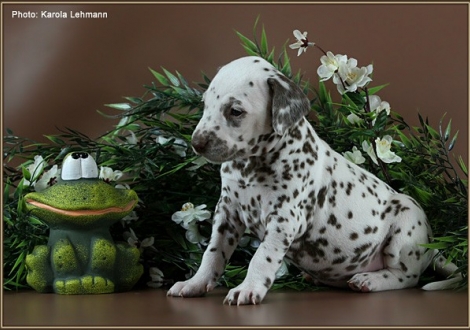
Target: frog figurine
[[81, 257]]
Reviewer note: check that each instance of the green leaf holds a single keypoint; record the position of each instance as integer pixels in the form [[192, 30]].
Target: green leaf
[[421, 121], [35, 221], [462, 165], [26, 173], [177, 237], [18, 262], [432, 131], [135, 100], [249, 45], [55, 139], [172, 77], [264, 42], [355, 100], [250, 52], [181, 78], [447, 132], [424, 196], [404, 139], [399, 117], [270, 57], [452, 142], [435, 245], [286, 67], [449, 239], [161, 78], [119, 106], [375, 90], [325, 96]]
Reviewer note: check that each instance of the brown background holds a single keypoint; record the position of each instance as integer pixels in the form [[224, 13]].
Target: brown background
[[58, 72]]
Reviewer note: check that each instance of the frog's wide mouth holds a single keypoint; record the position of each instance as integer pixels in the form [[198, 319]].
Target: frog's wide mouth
[[84, 212]]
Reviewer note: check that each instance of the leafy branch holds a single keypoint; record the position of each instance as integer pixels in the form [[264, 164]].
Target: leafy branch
[[149, 143]]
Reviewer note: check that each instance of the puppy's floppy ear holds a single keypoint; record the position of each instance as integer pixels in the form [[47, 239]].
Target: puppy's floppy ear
[[289, 103]]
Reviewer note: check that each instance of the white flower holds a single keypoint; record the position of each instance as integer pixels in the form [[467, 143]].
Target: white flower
[[367, 147], [383, 150], [302, 42], [189, 213], [193, 235], [282, 271], [35, 170], [384, 106], [122, 186], [108, 175], [255, 243], [132, 139], [354, 156], [330, 64], [179, 145], [156, 276], [354, 119], [188, 218], [129, 218], [377, 105], [48, 179], [244, 241], [132, 240], [350, 77]]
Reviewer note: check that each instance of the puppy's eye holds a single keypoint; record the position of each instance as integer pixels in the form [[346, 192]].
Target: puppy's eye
[[236, 112]]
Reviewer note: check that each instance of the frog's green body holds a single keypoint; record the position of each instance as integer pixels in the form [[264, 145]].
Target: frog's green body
[[81, 257]]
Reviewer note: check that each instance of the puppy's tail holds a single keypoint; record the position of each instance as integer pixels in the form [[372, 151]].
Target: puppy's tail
[[445, 269]]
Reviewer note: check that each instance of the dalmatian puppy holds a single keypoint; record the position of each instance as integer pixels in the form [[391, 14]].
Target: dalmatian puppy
[[334, 220]]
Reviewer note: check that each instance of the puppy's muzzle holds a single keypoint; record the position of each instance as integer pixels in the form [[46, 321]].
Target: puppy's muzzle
[[211, 147]]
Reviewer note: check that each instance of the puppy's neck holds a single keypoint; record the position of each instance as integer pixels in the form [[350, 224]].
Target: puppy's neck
[[270, 149]]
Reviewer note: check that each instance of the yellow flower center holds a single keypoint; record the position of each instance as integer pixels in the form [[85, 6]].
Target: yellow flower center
[[187, 206]]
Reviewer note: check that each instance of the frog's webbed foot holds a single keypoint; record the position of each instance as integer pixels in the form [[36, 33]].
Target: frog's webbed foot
[[87, 284], [40, 275]]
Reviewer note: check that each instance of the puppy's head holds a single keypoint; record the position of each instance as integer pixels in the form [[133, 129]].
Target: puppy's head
[[247, 102]]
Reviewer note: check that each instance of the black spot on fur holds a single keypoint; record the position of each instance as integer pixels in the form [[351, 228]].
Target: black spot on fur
[[321, 196], [268, 282]]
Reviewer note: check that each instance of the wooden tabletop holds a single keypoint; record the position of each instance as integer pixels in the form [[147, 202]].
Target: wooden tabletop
[[410, 307]]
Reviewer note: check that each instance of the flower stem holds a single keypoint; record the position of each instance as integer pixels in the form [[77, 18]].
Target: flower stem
[[367, 105], [383, 167], [321, 49]]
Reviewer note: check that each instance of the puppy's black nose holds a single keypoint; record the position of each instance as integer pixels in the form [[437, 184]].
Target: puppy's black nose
[[199, 143]]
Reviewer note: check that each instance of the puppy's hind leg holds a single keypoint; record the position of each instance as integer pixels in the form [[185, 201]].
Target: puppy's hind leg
[[404, 258]]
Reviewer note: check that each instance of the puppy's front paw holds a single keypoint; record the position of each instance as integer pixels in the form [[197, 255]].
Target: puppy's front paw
[[245, 295], [190, 288]]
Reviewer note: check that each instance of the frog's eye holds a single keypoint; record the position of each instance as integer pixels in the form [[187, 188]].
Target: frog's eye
[[79, 165], [89, 167]]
